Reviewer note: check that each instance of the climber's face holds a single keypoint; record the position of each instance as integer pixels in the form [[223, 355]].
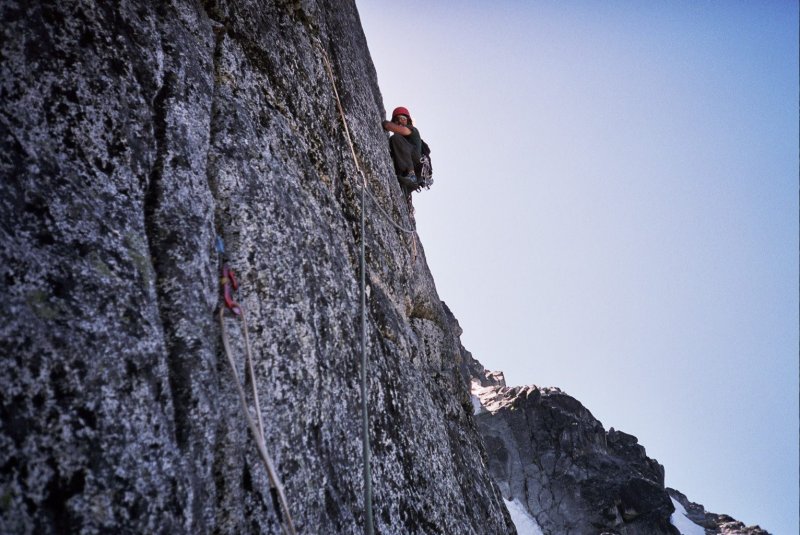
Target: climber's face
[[401, 119]]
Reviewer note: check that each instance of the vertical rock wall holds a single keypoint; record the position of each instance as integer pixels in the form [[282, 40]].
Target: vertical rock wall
[[132, 134]]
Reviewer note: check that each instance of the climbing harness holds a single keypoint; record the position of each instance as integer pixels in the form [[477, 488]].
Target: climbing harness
[[229, 286]]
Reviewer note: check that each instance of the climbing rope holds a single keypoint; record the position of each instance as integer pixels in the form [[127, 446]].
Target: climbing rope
[[386, 215], [229, 285], [368, 524], [364, 187], [353, 150]]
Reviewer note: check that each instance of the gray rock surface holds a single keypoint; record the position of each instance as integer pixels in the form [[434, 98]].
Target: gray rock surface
[[133, 133]]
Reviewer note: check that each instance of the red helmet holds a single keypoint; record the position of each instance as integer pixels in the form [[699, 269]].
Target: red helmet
[[400, 111]]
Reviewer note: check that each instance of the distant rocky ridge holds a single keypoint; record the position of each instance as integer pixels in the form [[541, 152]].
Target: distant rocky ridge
[[547, 452], [711, 522]]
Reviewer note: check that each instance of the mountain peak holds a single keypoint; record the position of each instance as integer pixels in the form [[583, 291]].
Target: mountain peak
[[558, 468]]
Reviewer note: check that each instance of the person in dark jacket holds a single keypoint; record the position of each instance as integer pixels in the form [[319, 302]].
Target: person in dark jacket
[[405, 145]]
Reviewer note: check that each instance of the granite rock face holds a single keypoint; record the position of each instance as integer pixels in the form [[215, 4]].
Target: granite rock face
[[133, 133]]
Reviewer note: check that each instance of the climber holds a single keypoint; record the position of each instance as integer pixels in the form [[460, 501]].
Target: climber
[[405, 146]]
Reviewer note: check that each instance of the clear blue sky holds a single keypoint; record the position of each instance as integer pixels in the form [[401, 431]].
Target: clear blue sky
[[615, 213]]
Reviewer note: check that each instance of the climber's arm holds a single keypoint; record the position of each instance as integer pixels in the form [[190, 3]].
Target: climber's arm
[[389, 126]]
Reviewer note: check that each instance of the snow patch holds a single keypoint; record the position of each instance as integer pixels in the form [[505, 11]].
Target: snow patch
[[475, 391], [524, 522], [477, 407], [680, 520]]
